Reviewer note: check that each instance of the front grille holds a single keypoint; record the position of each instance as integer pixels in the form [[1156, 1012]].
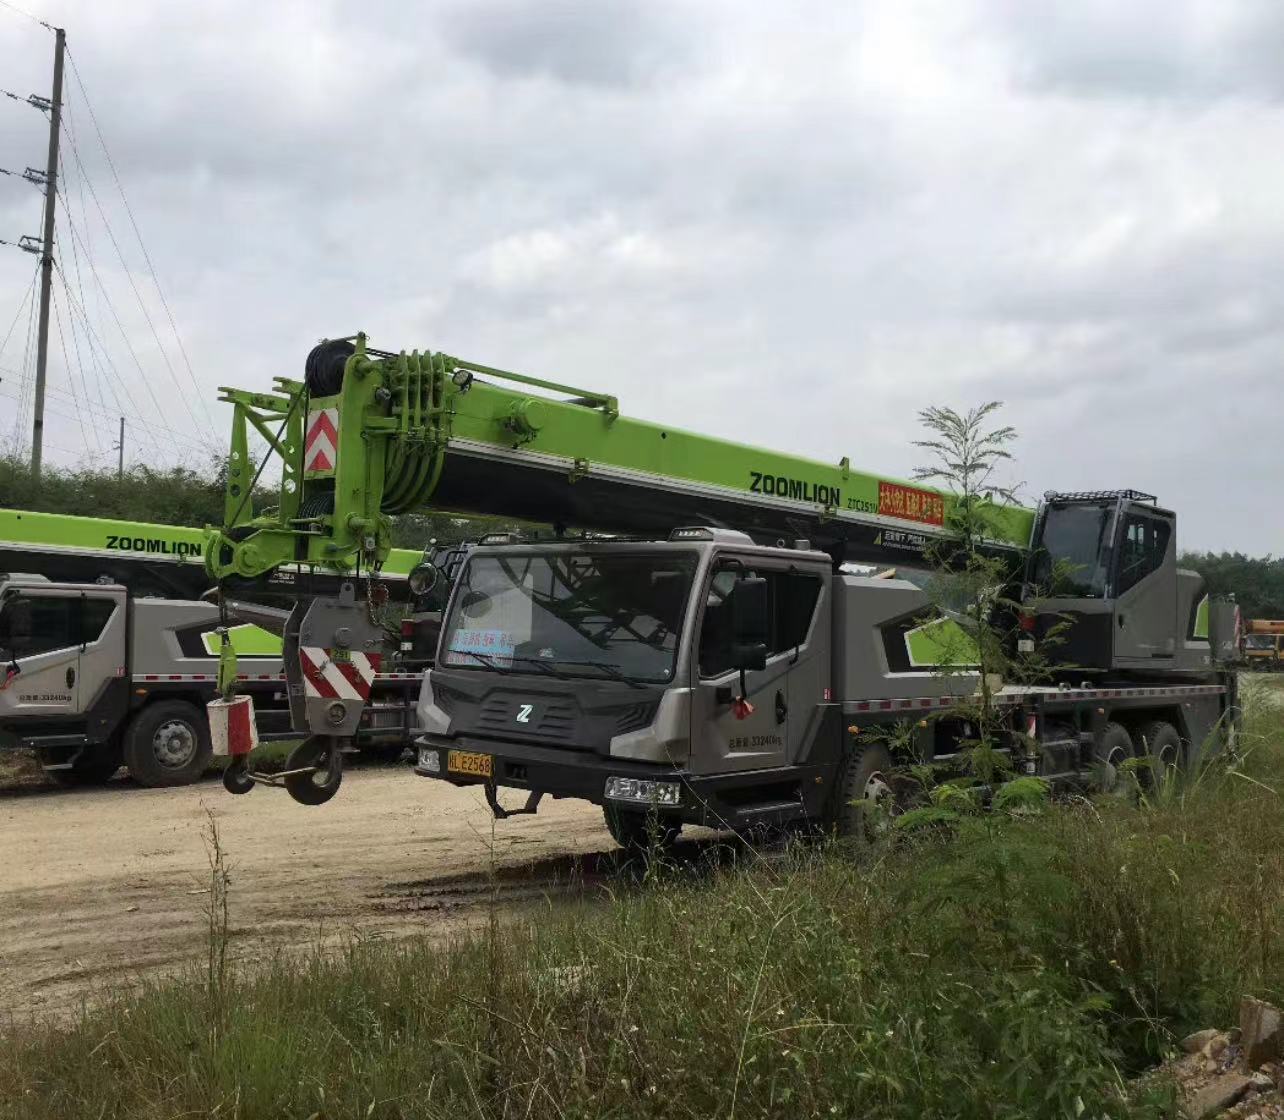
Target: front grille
[[553, 720]]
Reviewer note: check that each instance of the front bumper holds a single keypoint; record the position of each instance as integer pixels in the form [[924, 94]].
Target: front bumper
[[549, 770], [731, 800]]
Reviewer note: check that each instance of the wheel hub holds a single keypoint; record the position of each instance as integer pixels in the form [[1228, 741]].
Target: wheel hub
[[174, 744]]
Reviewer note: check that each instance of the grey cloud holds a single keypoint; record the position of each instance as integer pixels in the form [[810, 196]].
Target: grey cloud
[[786, 226], [607, 43], [1173, 49]]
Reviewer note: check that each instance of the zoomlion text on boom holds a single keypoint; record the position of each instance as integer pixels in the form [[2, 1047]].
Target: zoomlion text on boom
[[152, 544]]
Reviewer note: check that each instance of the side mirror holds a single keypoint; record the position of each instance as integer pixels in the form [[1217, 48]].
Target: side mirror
[[750, 623]]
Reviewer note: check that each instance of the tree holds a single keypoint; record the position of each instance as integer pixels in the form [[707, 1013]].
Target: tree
[[965, 454]]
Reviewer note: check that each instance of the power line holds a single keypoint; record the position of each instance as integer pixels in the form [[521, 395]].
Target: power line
[[107, 357], [66, 365], [25, 14], [18, 314], [141, 243]]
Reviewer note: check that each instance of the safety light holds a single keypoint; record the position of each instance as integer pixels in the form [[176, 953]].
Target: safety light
[[644, 791], [429, 760], [336, 712]]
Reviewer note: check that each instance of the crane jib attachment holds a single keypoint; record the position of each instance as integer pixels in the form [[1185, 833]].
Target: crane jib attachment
[[368, 434]]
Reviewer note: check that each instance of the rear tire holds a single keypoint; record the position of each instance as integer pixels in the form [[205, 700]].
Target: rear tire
[[638, 830], [167, 744], [1113, 751], [865, 777], [1165, 750]]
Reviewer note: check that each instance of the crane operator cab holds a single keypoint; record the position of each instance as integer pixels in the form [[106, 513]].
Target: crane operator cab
[[1103, 576]]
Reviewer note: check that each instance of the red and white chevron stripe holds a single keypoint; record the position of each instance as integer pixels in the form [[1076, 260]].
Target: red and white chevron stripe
[[338, 680], [321, 444]]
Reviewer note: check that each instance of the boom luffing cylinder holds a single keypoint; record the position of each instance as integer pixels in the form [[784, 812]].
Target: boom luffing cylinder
[[369, 434]]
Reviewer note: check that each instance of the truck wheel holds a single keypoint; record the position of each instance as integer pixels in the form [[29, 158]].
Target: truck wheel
[[167, 744], [94, 767], [635, 831], [864, 793], [1164, 749], [1113, 751]]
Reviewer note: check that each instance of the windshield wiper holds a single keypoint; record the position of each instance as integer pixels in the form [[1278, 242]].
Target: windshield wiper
[[612, 671], [489, 662], [544, 667]]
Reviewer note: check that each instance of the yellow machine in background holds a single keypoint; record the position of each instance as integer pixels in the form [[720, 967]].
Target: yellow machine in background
[[1264, 644]]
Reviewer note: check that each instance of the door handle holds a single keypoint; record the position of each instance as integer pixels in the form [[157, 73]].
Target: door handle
[[71, 677], [1122, 618], [782, 709]]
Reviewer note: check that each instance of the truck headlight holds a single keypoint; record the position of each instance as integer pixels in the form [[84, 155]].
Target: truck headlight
[[429, 760], [643, 791]]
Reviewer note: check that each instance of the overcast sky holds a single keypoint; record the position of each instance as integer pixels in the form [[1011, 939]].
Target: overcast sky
[[787, 224]]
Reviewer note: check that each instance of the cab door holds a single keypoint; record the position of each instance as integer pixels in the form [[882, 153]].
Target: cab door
[[45, 634], [782, 693], [1145, 587]]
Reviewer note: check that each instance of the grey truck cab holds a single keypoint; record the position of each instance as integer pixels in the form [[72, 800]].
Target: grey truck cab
[[581, 668]]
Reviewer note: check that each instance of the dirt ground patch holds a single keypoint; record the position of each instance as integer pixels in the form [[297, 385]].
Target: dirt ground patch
[[100, 885]]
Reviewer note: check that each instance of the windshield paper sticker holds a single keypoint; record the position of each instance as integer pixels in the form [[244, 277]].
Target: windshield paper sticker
[[493, 645]]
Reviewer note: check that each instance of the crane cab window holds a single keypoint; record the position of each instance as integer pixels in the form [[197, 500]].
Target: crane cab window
[[1143, 546], [792, 598]]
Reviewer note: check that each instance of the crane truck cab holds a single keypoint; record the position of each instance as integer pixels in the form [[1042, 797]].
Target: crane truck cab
[[1102, 571], [713, 680], [93, 677]]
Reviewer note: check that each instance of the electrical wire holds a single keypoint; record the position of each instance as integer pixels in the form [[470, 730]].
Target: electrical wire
[[103, 350], [151, 268], [66, 364], [25, 14]]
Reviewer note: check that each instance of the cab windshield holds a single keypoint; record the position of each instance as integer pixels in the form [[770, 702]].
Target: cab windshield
[[570, 614], [1069, 559]]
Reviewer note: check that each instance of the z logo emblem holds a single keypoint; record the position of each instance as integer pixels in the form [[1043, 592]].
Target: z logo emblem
[[524, 712]]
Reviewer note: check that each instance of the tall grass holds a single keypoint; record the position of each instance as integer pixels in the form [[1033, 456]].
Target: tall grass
[[1023, 967]]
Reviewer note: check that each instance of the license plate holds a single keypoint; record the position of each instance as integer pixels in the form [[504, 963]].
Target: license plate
[[468, 762]]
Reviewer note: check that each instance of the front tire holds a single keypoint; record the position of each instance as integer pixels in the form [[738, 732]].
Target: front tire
[[167, 744], [864, 793]]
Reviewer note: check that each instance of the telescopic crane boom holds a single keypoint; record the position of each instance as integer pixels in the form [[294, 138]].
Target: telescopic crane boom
[[369, 434]]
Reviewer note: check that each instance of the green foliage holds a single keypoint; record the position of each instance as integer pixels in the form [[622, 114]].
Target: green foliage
[[1017, 966], [187, 496], [1257, 584]]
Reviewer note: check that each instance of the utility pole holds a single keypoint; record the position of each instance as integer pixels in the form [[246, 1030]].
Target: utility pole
[[46, 257], [120, 462]]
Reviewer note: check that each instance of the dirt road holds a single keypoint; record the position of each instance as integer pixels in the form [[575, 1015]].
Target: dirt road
[[98, 885]]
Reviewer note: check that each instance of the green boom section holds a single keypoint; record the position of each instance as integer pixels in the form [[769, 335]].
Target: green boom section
[[24, 533], [419, 430]]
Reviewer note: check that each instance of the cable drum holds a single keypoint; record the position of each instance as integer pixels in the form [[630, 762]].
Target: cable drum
[[323, 370]]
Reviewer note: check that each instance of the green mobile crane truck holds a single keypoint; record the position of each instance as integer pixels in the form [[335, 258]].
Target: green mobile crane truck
[[718, 664]]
